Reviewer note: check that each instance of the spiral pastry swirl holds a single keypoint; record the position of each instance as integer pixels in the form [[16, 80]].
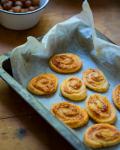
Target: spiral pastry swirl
[[44, 84], [116, 96], [95, 80], [72, 115], [73, 88], [100, 110], [65, 63], [101, 135]]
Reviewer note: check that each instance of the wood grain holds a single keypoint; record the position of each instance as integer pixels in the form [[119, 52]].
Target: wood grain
[[20, 126], [29, 133], [11, 104], [106, 16]]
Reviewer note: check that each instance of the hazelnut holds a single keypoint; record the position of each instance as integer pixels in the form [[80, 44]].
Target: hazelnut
[[13, 0], [24, 10], [1, 7], [35, 2], [11, 10], [31, 8], [3, 1], [22, 1], [18, 3], [17, 9], [8, 5], [28, 3]]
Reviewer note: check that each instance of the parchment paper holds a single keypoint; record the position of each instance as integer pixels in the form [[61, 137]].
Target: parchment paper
[[77, 35], [30, 57]]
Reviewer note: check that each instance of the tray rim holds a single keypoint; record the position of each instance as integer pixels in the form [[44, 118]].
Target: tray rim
[[66, 132]]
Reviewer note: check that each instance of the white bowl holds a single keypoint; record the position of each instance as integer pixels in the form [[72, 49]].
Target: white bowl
[[21, 21]]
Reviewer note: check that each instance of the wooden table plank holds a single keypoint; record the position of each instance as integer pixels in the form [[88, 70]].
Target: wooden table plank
[[106, 15], [29, 133], [11, 104]]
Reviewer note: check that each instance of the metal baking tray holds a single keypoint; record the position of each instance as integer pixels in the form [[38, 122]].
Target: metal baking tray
[[42, 104]]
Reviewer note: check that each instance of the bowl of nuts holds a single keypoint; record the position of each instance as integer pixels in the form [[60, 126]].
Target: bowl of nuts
[[21, 14]]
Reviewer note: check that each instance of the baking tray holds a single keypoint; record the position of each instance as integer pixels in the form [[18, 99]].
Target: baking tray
[[42, 104]]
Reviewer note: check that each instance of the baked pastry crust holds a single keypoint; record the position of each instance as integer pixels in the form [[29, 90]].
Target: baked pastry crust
[[100, 109], [43, 84], [116, 96], [101, 135], [72, 115], [95, 80], [65, 63], [73, 88]]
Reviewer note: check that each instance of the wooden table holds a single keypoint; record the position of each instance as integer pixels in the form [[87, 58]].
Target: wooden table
[[20, 127]]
